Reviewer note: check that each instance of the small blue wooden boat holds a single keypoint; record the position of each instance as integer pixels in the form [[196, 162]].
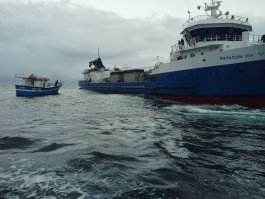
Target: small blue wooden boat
[[37, 86]]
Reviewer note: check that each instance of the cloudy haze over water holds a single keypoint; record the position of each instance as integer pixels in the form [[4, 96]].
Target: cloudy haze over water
[[58, 38]]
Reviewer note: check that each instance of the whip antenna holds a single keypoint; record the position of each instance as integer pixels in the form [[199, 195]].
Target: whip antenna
[[189, 8]]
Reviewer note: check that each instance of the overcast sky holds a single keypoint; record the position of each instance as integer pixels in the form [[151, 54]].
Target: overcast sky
[[57, 38]]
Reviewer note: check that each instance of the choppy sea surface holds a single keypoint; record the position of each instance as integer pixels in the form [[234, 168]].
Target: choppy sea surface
[[82, 144]]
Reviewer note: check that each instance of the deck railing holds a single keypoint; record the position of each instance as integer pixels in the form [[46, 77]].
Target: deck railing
[[235, 37], [207, 17], [214, 38], [226, 37], [256, 39]]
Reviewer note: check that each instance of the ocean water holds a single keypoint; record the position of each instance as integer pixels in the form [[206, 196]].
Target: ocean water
[[82, 144]]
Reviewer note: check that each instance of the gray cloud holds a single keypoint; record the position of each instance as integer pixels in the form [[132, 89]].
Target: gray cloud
[[58, 39]]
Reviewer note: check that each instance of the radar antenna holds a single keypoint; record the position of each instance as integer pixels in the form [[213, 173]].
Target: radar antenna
[[214, 8]]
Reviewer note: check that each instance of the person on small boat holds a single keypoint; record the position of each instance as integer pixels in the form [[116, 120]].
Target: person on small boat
[[263, 38], [56, 82]]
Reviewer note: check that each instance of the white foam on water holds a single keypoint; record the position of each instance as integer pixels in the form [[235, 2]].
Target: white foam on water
[[23, 177], [234, 111], [176, 148]]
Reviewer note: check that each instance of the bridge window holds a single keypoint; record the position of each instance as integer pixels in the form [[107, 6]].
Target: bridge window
[[216, 34]]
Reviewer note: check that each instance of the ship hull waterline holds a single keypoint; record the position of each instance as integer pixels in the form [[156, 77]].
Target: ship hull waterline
[[248, 101]]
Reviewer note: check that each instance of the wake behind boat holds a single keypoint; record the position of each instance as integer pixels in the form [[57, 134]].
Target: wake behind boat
[[217, 61], [36, 86]]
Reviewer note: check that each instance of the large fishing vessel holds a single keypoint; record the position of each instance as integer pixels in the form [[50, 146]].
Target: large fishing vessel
[[217, 61]]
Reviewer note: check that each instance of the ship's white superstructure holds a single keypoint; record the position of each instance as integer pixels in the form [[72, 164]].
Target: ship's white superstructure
[[212, 40]]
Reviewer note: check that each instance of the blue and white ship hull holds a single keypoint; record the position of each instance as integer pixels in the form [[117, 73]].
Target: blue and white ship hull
[[31, 91], [216, 62], [242, 83]]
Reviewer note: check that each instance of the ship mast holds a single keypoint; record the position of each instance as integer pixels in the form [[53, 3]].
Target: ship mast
[[98, 53], [188, 9]]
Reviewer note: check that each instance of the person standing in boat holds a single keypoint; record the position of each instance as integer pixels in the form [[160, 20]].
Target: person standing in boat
[[56, 83], [263, 38]]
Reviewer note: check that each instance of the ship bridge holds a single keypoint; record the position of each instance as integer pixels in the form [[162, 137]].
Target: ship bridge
[[215, 27]]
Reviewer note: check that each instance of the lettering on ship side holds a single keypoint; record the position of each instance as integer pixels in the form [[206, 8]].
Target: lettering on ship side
[[236, 57]]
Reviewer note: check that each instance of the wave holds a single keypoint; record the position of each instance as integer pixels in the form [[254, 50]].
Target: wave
[[104, 156], [51, 147], [150, 192], [15, 143], [86, 164]]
